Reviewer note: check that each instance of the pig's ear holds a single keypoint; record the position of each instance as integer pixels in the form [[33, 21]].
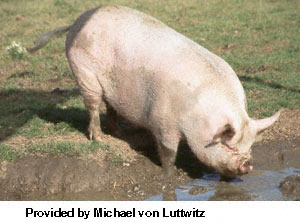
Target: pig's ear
[[261, 124]]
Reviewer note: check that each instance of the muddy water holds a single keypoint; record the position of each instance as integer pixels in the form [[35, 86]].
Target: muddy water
[[274, 161], [259, 185]]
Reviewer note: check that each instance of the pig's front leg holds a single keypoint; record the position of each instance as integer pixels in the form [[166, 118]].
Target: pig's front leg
[[167, 150]]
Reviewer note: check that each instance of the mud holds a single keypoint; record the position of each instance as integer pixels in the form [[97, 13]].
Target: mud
[[45, 177], [276, 155], [291, 186], [67, 178]]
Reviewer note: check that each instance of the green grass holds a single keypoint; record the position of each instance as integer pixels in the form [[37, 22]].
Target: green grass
[[66, 148], [264, 52], [8, 153]]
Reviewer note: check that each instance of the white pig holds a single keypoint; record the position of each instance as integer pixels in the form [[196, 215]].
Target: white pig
[[161, 80]]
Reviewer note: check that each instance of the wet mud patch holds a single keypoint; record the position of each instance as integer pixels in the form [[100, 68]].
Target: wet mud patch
[[276, 155], [68, 178], [34, 177], [290, 186]]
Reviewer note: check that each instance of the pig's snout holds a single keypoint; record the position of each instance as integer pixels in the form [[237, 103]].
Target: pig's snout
[[239, 166], [245, 166]]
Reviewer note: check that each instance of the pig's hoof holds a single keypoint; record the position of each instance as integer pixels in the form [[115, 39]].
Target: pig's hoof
[[95, 135], [169, 171]]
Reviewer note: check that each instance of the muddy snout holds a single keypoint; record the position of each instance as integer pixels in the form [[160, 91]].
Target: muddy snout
[[245, 166], [238, 167]]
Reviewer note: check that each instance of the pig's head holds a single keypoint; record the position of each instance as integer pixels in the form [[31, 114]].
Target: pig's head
[[224, 142]]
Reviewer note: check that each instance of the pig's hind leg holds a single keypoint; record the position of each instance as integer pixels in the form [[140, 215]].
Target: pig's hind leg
[[90, 89], [92, 102]]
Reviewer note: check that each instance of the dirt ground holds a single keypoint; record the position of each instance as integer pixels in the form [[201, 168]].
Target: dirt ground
[[279, 146], [100, 176]]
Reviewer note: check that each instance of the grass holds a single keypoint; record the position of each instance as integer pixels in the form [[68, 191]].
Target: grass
[[258, 38], [66, 148], [8, 153]]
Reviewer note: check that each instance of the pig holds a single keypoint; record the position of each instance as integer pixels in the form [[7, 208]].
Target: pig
[[159, 79]]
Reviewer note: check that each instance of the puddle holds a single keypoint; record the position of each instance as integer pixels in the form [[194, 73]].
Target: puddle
[[259, 185]]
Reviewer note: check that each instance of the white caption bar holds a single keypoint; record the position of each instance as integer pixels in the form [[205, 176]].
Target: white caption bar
[[93, 211]]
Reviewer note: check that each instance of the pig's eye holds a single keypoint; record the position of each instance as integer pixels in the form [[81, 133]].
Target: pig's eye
[[228, 133], [224, 134]]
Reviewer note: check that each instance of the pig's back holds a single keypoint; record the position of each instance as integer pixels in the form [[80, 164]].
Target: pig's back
[[135, 49]]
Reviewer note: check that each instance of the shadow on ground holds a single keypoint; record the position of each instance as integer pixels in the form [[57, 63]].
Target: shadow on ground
[[17, 107], [273, 85], [68, 178]]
